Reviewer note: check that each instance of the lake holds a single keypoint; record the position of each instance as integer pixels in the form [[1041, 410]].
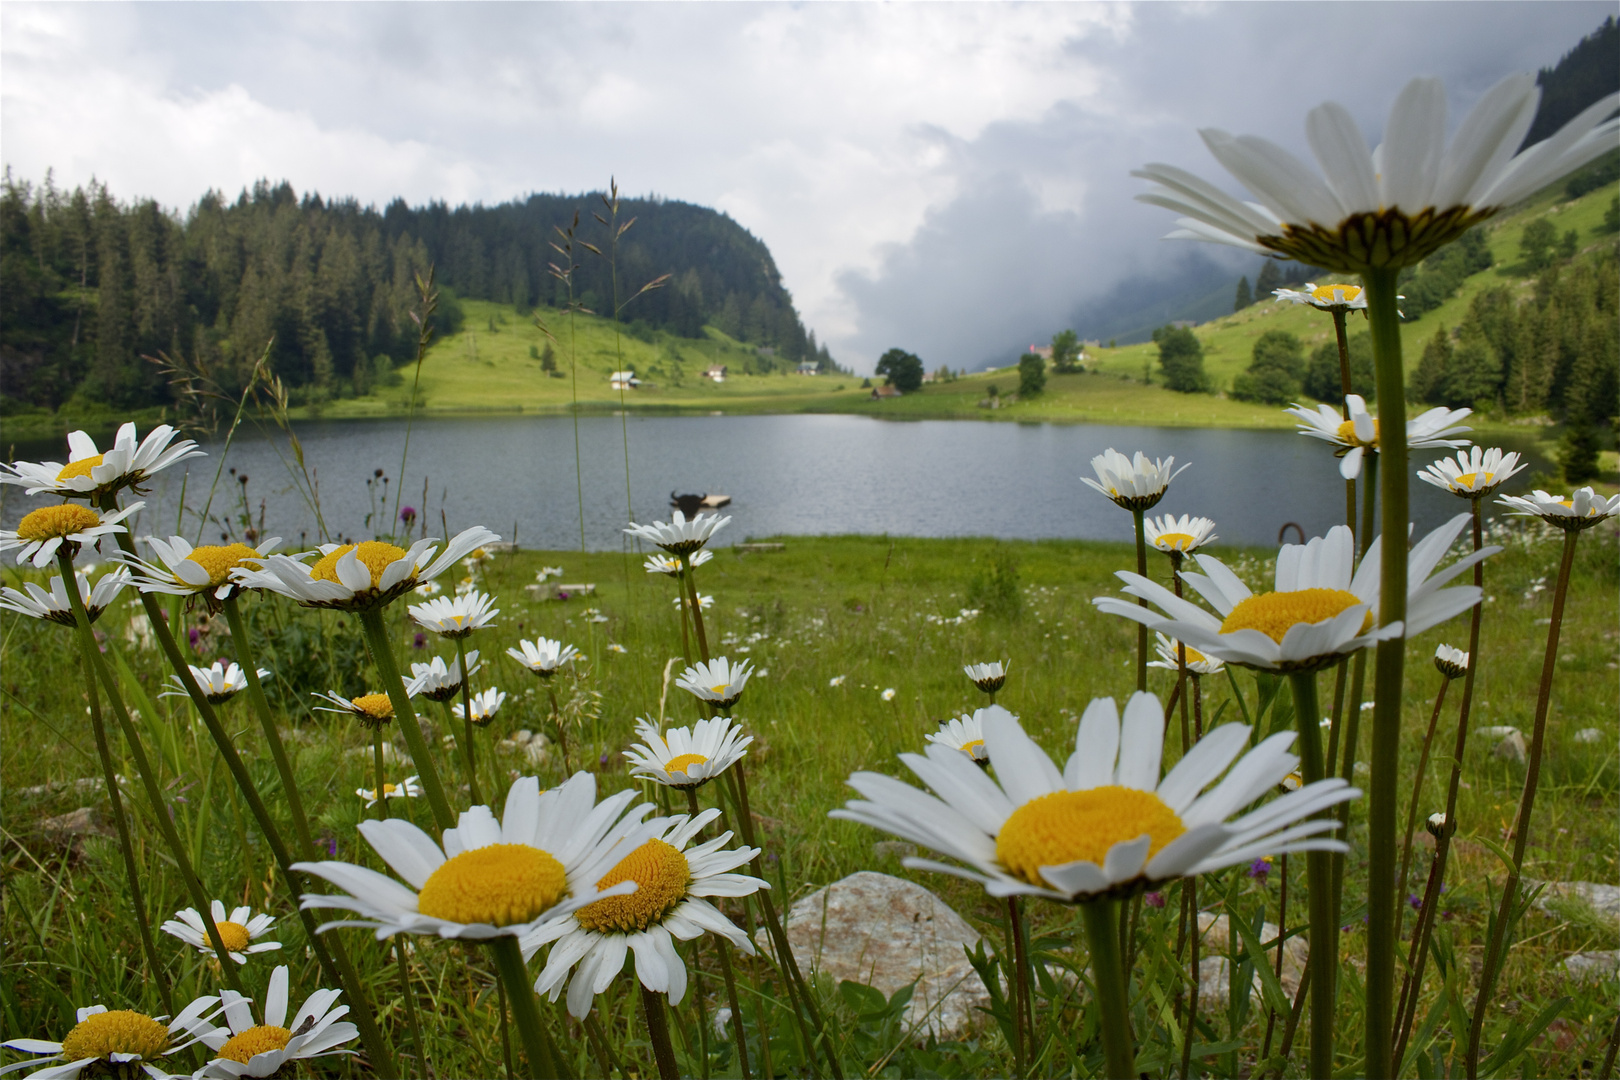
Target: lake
[[785, 475]]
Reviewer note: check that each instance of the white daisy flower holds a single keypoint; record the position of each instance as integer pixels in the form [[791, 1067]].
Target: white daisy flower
[[1293, 781], [1439, 825], [687, 757], [543, 656], [1452, 662], [405, 789], [1359, 434], [89, 472], [545, 573], [240, 932], [888, 694], [114, 1042], [1107, 821], [484, 706], [1475, 474], [457, 617], [428, 588], [1132, 483], [615, 647], [705, 601], [667, 906], [219, 682], [438, 680], [372, 710], [490, 878], [195, 571], [965, 734], [243, 1048], [680, 536], [1580, 511], [42, 531], [1322, 606], [987, 677], [671, 565], [356, 577], [1392, 206], [1197, 662], [718, 680], [1326, 297], [54, 606], [1185, 534], [837, 680]]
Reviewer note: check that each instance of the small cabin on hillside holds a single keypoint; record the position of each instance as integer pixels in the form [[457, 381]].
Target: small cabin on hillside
[[809, 367], [623, 380], [885, 391], [717, 372]]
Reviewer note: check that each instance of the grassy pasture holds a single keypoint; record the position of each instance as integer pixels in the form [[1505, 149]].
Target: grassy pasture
[[879, 612]]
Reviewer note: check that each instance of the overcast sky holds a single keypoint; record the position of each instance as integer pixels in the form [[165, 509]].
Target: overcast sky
[[946, 178]]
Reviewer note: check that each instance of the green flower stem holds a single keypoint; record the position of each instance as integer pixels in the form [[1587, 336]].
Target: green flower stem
[[790, 964], [1282, 940], [242, 644], [1324, 931], [1141, 628], [738, 1032], [382, 655], [1496, 951], [680, 610], [1190, 888], [1409, 988], [1015, 945], [335, 964], [544, 1060], [506, 1032], [652, 1007], [557, 725], [109, 774], [1425, 926], [465, 736], [1389, 671], [1108, 974], [1412, 804], [1346, 386], [405, 991], [697, 616], [154, 794], [1350, 716]]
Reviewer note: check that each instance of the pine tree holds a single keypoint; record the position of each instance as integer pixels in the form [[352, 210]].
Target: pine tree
[[1244, 297]]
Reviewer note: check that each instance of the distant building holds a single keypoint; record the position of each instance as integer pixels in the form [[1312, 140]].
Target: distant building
[[809, 367], [623, 380], [717, 372], [1042, 351], [885, 391]]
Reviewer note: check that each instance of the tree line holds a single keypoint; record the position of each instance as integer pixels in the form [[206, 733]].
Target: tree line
[[90, 284]]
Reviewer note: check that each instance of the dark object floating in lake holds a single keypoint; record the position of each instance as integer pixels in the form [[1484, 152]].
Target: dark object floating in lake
[[691, 504]]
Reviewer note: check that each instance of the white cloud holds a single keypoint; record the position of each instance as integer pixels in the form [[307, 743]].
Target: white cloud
[[954, 177]]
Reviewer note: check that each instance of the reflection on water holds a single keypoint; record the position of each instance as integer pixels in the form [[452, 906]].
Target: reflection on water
[[785, 475]]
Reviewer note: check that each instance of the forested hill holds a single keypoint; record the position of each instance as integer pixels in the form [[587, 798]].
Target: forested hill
[[90, 284]]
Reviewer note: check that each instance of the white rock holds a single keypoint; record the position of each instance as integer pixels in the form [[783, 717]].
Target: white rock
[[886, 932], [1592, 966], [1605, 899], [1212, 964], [1512, 749], [1498, 731]]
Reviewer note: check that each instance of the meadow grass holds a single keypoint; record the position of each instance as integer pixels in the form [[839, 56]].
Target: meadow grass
[[880, 613]]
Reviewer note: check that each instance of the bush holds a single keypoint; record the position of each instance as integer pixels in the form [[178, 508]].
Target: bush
[[903, 370], [1274, 373], [1031, 374], [1437, 279], [1181, 358], [1325, 382], [994, 589], [1578, 453]]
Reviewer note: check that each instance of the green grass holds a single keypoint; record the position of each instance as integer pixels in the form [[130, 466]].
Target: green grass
[[880, 613]]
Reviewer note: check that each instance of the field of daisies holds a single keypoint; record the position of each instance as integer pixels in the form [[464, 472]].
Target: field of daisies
[[417, 805]]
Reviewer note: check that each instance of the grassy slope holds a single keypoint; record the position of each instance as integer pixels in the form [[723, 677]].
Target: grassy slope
[[476, 370]]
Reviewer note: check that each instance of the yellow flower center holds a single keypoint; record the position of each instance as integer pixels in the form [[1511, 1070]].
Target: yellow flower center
[[1347, 434], [681, 762], [1071, 826], [253, 1041], [1467, 479], [498, 884], [1175, 541], [1275, 613], [969, 747], [220, 561], [1194, 656], [661, 876], [389, 789], [234, 935], [373, 555], [81, 467], [116, 1032], [376, 706], [1346, 293], [56, 522]]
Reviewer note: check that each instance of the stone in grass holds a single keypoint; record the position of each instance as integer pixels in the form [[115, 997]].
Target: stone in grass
[[1593, 966], [1213, 978], [1604, 899], [1512, 749], [887, 933], [1589, 735], [74, 825]]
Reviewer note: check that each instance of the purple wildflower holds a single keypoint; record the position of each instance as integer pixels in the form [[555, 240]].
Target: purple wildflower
[[1154, 899]]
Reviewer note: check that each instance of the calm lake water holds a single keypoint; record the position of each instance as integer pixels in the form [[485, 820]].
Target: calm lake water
[[785, 475]]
